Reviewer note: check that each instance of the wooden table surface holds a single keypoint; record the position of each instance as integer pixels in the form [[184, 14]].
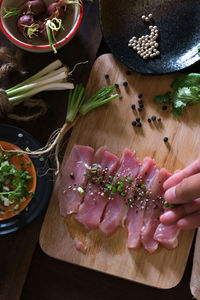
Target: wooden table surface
[[26, 273]]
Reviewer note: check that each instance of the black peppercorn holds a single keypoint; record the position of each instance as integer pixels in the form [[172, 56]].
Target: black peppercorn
[[141, 105], [139, 124], [140, 101], [159, 119], [133, 106], [165, 139], [140, 95], [140, 109], [153, 118], [134, 123], [106, 76], [116, 85], [125, 83], [138, 119], [164, 107], [149, 120]]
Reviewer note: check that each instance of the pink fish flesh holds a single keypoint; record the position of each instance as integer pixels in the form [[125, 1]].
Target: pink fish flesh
[[116, 209], [95, 199], [135, 212], [73, 176], [167, 235], [153, 210]]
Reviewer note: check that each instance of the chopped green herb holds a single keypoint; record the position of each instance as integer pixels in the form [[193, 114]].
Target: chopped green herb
[[16, 207], [41, 158], [113, 190], [143, 186], [19, 154], [122, 179], [27, 149], [110, 177], [166, 204], [129, 180], [123, 194], [81, 190]]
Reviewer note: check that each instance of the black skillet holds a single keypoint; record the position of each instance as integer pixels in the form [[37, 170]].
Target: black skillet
[[179, 32]]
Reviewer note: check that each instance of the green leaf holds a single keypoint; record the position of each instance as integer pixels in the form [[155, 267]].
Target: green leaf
[[166, 98], [176, 111]]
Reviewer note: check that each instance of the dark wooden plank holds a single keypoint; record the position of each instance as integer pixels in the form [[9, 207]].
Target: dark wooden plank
[[16, 250], [52, 279]]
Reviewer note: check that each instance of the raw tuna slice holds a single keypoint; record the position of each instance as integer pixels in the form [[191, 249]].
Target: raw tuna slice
[[167, 235], [153, 211], [73, 178], [135, 212], [95, 199], [116, 209]]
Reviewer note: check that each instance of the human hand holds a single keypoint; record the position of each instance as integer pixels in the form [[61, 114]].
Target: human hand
[[183, 189]]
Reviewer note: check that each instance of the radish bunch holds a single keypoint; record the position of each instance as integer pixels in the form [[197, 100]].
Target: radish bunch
[[35, 19]]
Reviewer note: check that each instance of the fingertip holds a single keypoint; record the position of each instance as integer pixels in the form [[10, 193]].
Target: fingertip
[[168, 218], [170, 194]]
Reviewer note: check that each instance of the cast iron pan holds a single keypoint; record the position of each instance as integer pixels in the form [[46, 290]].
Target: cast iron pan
[[44, 180], [178, 25]]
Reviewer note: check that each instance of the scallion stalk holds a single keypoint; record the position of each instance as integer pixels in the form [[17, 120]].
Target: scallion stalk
[[52, 77]]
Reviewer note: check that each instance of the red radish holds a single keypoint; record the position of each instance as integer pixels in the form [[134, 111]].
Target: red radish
[[33, 7], [25, 23]]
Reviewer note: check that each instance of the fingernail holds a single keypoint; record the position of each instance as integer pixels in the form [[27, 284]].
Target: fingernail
[[170, 194]]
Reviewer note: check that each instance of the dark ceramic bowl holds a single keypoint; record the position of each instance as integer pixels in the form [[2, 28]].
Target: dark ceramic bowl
[[178, 25]]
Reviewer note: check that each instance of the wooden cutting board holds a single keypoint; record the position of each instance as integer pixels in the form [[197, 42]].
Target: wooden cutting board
[[111, 125]]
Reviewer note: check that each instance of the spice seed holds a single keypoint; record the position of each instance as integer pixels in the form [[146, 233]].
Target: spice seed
[[164, 107], [140, 95], [106, 76], [134, 123], [125, 83], [165, 139], [133, 106], [153, 118], [116, 85], [149, 120]]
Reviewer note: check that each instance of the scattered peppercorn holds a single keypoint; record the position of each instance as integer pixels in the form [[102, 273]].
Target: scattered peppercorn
[[138, 119], [134, 123], [133, 106], [159, 119], [165, 139], [138, 124], [140, 109], [116, 85], [140, 101], [128, 72], [106, 76], [164, 107], [141, 105], [140, 95], [149, 120], [153, 118], [125, 83]]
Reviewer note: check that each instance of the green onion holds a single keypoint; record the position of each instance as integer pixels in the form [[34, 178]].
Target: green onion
[[129, 180], [122, 179], [143, 186], [166, 204], [52, 77], [113, 190], [12, 11], [81, 190]]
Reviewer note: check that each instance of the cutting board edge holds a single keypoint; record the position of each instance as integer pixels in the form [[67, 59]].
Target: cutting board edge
[[145, 283]]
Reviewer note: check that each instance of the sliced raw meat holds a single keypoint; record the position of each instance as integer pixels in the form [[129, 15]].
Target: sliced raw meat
[[95, 199], [135, 212], [167, 235], [73, 178], [153, 210], [116, 209]]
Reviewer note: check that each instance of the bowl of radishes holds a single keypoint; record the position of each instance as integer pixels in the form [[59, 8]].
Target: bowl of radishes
[[40, 25]]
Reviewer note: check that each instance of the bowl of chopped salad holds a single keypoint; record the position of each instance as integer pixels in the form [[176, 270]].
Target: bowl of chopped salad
[[40, 25], [17, 180]]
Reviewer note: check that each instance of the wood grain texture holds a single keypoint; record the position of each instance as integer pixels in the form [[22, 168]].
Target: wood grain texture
[[111, 125]]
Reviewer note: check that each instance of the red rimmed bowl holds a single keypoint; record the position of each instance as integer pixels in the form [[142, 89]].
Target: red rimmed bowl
[[70, 24]]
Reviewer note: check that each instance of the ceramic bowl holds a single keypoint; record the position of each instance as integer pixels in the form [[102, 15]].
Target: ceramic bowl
[[71, 24]]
